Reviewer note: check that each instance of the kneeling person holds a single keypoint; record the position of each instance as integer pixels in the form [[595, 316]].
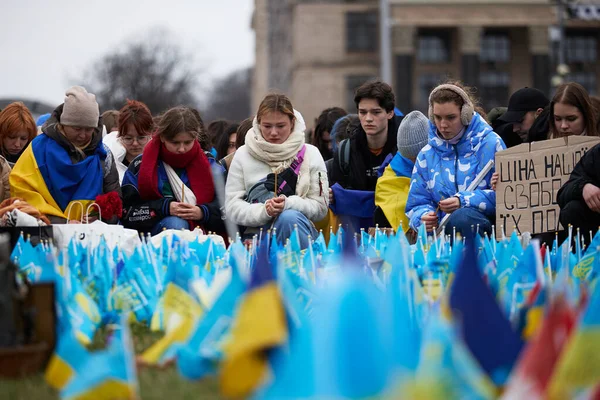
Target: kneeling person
[[276, 180]]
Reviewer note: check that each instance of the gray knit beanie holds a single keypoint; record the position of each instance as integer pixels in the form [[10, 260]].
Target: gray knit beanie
[[413, 134], [80, 108]]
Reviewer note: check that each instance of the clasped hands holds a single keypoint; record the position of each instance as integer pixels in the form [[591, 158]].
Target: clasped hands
[[275, 206], [185, 211]]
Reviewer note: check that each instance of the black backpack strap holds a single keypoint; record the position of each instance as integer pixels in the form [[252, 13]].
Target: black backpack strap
[[344, 158]]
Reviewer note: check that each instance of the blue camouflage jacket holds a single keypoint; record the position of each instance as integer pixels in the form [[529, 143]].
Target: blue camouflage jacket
[[444, 170]]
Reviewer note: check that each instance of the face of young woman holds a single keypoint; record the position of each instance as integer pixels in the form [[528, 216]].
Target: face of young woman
[[15, 143], [447, 119], [568, 120], [133, 142], [181, 143], [78, 135], [231, 145], [275, 127]]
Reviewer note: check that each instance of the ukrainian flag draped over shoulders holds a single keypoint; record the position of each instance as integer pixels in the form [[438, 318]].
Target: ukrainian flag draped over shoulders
[[46, 178], [391, 191]]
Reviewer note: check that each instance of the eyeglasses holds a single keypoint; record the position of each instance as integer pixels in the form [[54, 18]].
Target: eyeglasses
[[140, 139]]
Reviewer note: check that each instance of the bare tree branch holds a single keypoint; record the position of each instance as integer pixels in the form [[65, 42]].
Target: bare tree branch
[[154, 70]]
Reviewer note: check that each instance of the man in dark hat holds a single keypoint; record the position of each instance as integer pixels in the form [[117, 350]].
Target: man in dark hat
[[527, 117]]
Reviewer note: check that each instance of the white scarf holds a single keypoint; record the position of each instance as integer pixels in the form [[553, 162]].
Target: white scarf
[[280, 156], [178, 187]]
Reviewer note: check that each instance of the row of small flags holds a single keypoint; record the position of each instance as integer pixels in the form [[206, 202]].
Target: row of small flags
[[358, 317]]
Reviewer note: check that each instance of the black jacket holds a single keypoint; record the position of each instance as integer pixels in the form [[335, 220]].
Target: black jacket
[[364, 165], [541, 127], [586, 171], [143, 215]]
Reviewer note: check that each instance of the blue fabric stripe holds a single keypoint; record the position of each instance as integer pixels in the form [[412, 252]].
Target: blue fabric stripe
[[357, 203], [402, 166], [67, 182]]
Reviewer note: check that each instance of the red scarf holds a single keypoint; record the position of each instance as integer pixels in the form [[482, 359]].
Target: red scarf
[[194, 161]]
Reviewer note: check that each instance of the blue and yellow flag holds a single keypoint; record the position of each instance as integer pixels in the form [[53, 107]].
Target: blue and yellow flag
[[45, 177], [353, 207], [199, 356], [107, 374], [391, 191], [446, 369], [259, 325], [578, 368], [483, 327], [66, 361]]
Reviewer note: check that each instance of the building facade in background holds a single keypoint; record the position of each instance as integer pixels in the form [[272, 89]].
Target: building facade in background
[[318, 52]]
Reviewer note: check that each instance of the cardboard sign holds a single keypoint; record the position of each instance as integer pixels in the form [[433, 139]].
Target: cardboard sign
[[530, 176]]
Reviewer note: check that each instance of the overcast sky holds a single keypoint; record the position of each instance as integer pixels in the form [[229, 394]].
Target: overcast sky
[[45, 43]]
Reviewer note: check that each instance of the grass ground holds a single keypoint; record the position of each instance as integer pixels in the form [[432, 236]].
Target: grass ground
[[154, 383]]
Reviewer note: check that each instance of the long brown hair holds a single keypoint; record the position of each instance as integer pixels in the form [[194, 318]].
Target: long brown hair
[[575, 95]]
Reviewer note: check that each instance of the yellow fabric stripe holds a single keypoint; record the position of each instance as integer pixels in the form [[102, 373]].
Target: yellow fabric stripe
[[58, 373], [260, 324], [110, 389], [27, 183], [391, 194], [579, 365]]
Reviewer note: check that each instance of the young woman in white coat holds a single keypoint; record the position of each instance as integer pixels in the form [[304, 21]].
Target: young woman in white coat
[[276, 180]]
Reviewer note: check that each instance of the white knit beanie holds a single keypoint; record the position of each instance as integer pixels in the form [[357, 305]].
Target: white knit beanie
[[80, 108], [413, 134]]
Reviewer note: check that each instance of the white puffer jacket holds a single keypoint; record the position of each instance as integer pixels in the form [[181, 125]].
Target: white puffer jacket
[[245, 171]]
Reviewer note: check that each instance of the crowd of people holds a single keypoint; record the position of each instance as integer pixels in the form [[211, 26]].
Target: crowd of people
[[372, 166]]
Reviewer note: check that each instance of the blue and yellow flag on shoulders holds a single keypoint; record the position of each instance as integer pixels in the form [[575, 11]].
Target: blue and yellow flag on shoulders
[[259, 325], [45, 177], [391, 191]]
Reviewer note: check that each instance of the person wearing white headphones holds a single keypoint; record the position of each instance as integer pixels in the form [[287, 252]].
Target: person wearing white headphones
[[460, 144]]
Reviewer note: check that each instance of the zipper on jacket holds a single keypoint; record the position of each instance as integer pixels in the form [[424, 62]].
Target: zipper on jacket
[[455, 167]]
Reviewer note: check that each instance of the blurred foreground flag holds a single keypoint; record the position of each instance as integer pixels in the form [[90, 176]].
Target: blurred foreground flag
[[532, 375], [258, 326], [107, 374], [483, 327], [66, 361], [579, 366]]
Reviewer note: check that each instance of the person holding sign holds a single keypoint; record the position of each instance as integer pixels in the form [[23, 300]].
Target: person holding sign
[[461, 143], [579, 198], [170, 185], [276, 180]]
